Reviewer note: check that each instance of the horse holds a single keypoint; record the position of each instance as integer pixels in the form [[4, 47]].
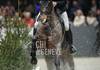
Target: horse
[[50, 31]]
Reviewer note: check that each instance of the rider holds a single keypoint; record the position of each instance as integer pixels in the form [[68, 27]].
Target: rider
[[61, 5]]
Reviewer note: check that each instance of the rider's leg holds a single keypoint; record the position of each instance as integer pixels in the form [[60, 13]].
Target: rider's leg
[[69, 36], [68, 33], [69, 39]]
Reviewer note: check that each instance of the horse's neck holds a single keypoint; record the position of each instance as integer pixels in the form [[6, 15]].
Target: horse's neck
[[53, 18]]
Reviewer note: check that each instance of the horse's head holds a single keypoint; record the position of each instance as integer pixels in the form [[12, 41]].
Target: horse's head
[[46, 11], [46, 6]]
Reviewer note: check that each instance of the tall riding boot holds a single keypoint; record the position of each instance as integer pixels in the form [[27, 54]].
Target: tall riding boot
[[69, 39]]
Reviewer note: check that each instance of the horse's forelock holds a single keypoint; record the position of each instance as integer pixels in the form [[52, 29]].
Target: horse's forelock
[[50, 7], [47, 7]]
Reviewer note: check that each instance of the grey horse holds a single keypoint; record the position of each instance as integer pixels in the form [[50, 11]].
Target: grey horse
[[51, 31]]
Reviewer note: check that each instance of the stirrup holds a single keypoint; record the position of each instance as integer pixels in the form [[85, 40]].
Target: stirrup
[[73, 50]]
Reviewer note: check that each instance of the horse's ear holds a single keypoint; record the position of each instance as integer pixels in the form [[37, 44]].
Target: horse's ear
[[50, 7]]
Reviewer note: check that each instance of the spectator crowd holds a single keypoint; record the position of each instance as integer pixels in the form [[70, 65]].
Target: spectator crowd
[[81, 11]]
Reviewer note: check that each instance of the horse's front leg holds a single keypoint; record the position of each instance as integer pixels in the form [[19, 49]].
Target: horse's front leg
[[57, 57], [67, 59], [57, 62], [33, 52]]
